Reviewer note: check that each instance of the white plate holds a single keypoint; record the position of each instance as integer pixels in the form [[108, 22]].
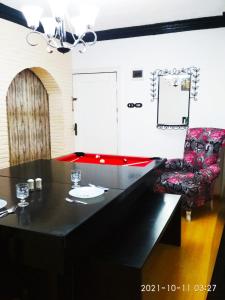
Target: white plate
[[86, 192], [3, 203]]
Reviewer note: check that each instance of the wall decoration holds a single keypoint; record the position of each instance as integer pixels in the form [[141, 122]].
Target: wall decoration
[[173, 90]]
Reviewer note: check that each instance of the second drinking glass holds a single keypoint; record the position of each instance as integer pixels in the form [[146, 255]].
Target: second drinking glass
[[75, 177]]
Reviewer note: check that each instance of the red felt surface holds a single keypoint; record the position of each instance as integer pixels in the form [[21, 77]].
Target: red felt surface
[[107, 159]]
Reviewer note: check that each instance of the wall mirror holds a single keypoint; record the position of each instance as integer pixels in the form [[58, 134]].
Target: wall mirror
[[173, 90]]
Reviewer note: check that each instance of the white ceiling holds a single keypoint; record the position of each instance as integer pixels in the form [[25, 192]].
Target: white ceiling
[[125, 13]]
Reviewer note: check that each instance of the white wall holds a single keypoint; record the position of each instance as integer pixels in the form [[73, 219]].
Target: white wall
[[138, 133], [54, 70]]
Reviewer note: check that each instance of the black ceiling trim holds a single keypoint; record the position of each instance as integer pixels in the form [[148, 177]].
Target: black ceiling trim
[[162, 28], [16, 16], [11, 14]]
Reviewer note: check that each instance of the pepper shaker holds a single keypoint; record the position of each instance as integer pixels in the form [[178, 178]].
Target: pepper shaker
[[31, 184], [38, 182]]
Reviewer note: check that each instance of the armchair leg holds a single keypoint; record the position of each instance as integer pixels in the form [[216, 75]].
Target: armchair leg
[[188, 215], [211, 204]]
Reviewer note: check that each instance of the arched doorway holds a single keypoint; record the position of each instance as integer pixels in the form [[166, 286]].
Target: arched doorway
[[28, 119]]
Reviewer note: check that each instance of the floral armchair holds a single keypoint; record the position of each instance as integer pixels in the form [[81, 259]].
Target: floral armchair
[[194, 175]]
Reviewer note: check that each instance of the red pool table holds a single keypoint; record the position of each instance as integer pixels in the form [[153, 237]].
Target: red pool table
[[107, 159]]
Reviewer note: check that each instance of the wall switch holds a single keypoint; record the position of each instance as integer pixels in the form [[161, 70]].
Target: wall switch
[[137, 73], [132, 105]]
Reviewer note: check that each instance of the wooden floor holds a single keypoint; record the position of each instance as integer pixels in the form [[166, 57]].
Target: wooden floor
[[185, 268]]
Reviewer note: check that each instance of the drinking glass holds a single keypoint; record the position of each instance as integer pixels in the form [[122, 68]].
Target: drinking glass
[[75, 177], [22, 192]]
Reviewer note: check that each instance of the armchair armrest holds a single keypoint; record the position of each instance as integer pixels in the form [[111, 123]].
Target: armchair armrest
[[174, 164], [208, 174]]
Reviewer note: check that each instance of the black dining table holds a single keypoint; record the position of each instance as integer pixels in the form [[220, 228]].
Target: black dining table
[[44, 242]]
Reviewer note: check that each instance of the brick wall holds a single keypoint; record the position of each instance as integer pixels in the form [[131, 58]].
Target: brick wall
[[54, 70]]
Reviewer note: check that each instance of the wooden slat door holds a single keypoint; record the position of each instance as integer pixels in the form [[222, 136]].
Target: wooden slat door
[[28, 119]]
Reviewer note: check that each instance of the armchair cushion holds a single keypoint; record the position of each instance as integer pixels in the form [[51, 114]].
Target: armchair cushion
[[179, 182], [208, 174]]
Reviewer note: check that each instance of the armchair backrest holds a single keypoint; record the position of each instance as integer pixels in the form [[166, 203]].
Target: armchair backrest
[[202, 146]]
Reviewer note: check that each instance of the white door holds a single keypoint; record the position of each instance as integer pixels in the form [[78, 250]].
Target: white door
[[95, 112]]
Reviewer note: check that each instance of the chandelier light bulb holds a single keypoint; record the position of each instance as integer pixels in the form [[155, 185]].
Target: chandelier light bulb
[[58, 7], [49, 25], [32, 15], [78, 25]]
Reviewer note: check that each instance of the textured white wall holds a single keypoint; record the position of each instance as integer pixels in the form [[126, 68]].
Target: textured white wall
[[54, 70], [138, 133]]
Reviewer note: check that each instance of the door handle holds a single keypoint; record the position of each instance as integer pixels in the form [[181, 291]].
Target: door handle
[[73, 99], [75, 128], [185, 120]]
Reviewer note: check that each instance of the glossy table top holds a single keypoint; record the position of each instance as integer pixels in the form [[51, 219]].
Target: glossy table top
[[49, 213], [119, 177]]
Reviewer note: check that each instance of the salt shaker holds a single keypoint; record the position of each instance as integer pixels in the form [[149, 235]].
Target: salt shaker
[[38, 182], [31, 184]]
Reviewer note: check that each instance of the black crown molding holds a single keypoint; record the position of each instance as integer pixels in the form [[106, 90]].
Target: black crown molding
[[12, 15], [16, 16], [162, 28]]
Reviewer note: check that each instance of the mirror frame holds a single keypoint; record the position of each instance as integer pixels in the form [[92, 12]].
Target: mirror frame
[[194, 74]]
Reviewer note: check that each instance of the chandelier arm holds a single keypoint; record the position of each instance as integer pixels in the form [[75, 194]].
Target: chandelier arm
[[73, 35], [84, 46], [48, 40], [80, 39], [74, 39], [28, 36], [52, 43], [95, 37]]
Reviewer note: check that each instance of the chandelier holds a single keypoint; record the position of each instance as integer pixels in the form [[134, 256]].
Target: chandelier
[[56, 28]]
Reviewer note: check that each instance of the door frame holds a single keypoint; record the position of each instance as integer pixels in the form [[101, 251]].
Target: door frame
[[118, 115]]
